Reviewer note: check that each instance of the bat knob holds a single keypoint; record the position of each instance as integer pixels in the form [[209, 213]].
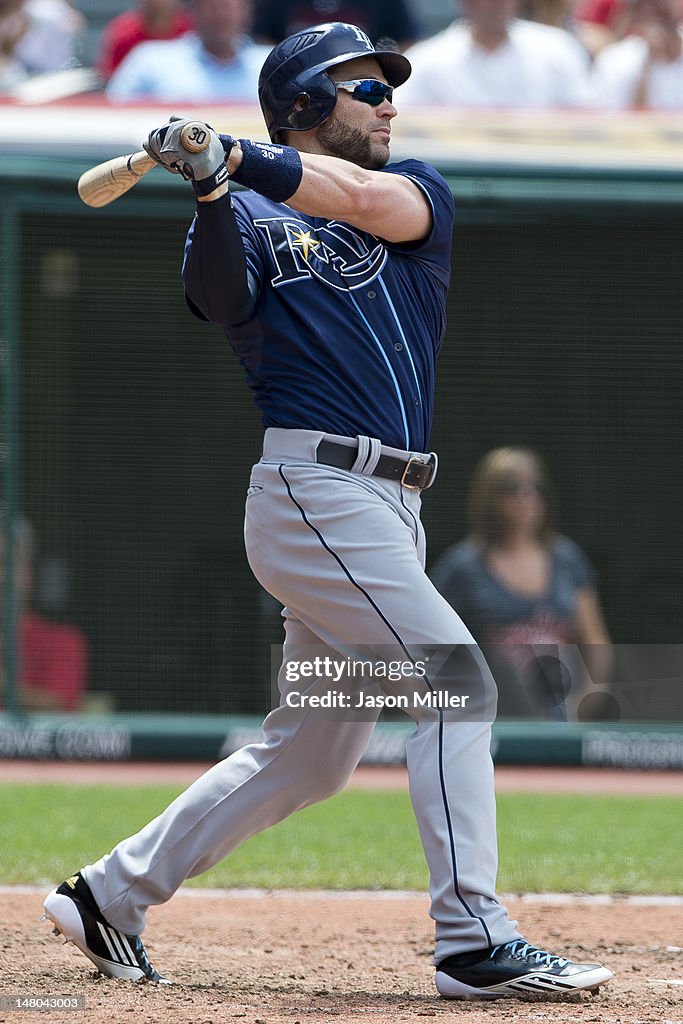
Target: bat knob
[[195, 136]]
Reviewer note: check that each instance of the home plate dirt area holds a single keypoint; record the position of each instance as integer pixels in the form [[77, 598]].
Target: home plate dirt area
[[266, 958]]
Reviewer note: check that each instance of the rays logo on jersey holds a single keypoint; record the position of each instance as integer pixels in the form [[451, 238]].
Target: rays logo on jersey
[[333, 253]]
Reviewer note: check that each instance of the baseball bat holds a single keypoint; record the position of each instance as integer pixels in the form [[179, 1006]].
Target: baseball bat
[[104, 183]]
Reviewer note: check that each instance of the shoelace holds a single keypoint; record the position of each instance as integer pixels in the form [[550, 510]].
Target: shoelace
[[518, 949], [139, 950]]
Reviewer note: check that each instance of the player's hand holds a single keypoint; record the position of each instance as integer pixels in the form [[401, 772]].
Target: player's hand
[[206, 170]]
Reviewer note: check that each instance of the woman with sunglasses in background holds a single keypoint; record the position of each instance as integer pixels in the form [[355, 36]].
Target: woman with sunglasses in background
[[527, 593]]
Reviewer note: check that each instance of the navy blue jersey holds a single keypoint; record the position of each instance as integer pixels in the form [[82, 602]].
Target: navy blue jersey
[[347, 327]]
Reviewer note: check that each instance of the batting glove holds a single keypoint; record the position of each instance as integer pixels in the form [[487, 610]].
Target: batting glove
[[206, 170]]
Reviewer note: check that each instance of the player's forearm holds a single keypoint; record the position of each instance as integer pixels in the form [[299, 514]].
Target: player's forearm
[[329, 187], [336, 189], [332, 187], [387, 205]]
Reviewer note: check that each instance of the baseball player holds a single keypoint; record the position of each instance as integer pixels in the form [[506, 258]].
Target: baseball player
[[329, 274]]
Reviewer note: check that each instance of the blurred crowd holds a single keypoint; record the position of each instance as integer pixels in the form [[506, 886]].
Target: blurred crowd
[[530, 54], [50, 654]]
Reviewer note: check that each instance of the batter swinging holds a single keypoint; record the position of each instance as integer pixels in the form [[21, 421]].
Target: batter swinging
[[329, 274]]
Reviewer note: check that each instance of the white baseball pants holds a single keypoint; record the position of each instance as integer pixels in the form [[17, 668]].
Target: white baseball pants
[[344, 553]]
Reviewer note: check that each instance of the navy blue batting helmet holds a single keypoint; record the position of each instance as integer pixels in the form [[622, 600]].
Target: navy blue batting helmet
[[294, 90]]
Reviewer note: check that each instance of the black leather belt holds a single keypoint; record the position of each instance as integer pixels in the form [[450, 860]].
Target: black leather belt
[[414, 471]]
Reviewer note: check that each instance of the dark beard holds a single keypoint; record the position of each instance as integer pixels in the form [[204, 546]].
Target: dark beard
[[341, 140]]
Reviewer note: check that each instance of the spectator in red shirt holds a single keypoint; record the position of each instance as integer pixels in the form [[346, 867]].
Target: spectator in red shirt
[[600, 21], [52, 657], [154, 19], [598, 12]]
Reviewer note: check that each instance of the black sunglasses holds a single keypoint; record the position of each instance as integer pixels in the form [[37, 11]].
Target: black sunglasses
[[368, 90]]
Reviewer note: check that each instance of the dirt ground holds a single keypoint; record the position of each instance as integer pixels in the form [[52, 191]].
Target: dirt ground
[[283, 958], [304, 958], [517, 778]]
